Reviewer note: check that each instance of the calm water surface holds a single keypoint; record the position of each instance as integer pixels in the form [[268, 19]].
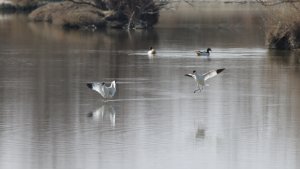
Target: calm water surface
[[248, 117]]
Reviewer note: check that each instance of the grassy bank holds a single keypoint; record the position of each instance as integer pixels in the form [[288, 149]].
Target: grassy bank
[[283, 27]]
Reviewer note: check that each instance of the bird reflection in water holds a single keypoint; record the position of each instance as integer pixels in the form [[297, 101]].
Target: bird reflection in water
[[150, 56], [200, 133], [105, 112]]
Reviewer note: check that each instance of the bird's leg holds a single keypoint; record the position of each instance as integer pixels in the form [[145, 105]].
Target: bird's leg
[[199, 89]]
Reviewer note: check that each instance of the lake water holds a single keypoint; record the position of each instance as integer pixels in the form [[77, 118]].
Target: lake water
[[247, 118]]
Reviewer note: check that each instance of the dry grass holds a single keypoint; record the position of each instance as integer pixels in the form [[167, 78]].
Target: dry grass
[[283, 27]]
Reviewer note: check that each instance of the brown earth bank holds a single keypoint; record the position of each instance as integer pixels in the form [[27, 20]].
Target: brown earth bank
[[70, 14], [99, 14]]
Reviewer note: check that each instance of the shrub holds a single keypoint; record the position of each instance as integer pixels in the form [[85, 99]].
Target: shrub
[[283, 27], [139, 13]]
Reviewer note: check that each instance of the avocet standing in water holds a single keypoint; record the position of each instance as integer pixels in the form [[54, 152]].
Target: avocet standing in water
[[200, 79], [107, 92], [203, 53]]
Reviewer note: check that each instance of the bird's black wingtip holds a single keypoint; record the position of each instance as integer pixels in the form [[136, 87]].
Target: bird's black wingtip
[[188, 75], [220, 70], [89, 85]]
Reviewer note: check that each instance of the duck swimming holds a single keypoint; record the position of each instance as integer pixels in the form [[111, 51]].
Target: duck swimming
[[203, 53], [151, 51]]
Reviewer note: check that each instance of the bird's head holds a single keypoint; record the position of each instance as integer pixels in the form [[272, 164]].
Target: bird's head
[[208, 50], [194, 71], [150, 48], [103, 83]]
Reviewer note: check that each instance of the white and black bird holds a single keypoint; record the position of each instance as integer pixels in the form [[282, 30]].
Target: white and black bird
[[200, 79], [203, 53], [107, 92], [151, 51]]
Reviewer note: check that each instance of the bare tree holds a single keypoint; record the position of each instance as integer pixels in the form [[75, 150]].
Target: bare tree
[[142, 13]]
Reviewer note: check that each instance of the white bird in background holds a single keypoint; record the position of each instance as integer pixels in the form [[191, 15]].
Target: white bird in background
[[106, 92], [203, 53], [151, 51], [200, 79]]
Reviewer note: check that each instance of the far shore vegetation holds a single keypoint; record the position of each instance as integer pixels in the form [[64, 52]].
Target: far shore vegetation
[[282, 22]]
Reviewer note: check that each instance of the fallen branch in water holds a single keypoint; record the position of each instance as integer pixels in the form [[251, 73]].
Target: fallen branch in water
[[130, 21]]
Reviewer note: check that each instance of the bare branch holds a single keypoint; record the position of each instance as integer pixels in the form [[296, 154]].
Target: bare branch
[[84, 3], [272, 3], [190, 3], [130, 20]]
